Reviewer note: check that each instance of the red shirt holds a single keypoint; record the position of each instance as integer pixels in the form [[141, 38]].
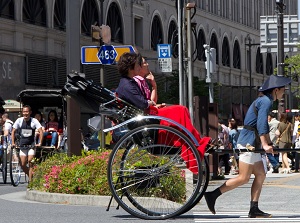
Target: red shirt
[[51, 126]]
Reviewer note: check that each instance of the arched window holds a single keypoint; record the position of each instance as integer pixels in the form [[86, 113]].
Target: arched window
[[7, 9], [214, 44], [200, 49], [173, 38], [225, 53], [34, 12], [60, 15], [156, 33], [236, 55], [114, 21], [89, 17], [259, 62], [269, 64]]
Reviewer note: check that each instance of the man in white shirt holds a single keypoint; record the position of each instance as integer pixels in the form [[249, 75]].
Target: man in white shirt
[[7, 127], [27, 126]]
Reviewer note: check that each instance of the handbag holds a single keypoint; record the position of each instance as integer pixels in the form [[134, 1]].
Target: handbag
[[279, 137]]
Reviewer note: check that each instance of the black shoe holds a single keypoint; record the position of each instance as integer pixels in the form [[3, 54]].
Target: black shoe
[[210, 200], [276, 168], [256, 213]]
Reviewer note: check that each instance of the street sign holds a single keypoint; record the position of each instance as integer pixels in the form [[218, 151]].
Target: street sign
[[89, 55], [106, 54], [268, 33], [165, 64], [122, 49], [164, 50]]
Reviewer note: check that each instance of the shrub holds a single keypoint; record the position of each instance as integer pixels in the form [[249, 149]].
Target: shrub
[[84, 174], [87, 174]]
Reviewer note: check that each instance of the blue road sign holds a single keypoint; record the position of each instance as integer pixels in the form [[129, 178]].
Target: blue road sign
[[164, 50], [107, 55]]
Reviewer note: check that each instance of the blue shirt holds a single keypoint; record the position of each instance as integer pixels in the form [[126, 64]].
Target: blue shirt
[[129, 91], [233, 136], [263, 106]]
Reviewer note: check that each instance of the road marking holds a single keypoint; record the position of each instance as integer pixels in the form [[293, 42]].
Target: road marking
[[242, 216]]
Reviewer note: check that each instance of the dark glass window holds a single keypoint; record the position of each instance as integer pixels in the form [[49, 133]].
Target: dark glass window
[[34, 12], [114, 21], [60, 15], [156, 33], [225, 53], [173, 38], [236, 55], [200, 49], [89, 17], [7, 9], [269, 64], [259, 62], [214, 44]]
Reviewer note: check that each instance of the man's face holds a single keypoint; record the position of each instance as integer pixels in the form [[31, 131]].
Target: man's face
[[26, 113]]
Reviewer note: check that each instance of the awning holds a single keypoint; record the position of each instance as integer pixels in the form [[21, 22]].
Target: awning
[[12, 106]]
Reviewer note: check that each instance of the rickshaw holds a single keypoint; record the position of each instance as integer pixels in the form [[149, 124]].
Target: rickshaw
[[154, 171]]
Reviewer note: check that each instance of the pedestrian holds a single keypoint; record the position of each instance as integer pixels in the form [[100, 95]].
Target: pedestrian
[[273, 157], [26, 126], [255, 134], [295, 130], [39, 116], [7, 127], [223, 138], [233, 137], [284, 131]]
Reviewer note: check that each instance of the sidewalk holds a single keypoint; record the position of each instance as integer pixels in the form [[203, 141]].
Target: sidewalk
[[272, 186]]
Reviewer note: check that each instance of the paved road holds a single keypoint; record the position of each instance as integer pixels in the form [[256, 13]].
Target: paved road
[[280, 196]]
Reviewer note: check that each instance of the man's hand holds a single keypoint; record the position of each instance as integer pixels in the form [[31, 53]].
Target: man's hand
[[268, 149]]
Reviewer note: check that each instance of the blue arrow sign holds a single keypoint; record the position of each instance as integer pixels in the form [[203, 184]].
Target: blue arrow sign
[[164, 50], [107, 55]]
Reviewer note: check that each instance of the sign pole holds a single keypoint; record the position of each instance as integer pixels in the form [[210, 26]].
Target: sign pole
[[102, 142], [73, 63], [180, 67], [189, 55]]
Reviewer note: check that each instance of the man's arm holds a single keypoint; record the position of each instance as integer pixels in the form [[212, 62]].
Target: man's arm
[[41, 136], [13, 137], [266, 143]]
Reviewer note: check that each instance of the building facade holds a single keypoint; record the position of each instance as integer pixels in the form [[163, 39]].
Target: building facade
[[33, 42]]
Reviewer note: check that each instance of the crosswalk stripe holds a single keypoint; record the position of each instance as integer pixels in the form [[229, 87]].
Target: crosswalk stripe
[[240, 216]]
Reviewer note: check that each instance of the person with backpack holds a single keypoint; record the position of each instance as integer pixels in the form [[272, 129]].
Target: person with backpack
[[26, 127]]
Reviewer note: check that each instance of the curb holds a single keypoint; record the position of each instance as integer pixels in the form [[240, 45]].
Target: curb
[[69, 199]]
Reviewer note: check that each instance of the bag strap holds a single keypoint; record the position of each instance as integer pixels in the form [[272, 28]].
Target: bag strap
[[284, 130]]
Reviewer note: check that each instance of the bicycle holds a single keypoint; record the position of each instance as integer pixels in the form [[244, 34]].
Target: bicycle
[[4, 158], [15, 166]]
